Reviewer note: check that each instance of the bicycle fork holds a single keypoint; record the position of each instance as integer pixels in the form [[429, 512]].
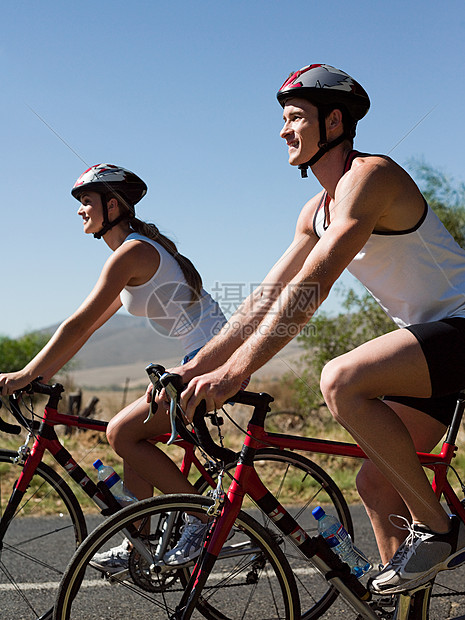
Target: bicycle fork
[[225, 513]]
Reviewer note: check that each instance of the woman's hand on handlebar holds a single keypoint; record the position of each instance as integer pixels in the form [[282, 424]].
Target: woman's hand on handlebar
[[161, 399], [12, 381], [148, 393]]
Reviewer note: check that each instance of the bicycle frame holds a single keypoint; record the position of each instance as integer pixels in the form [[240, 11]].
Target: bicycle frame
[[42, 438], [247, 482], [47, 440]]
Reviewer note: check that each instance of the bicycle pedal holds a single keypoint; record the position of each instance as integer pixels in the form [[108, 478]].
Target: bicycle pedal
[[386, 601], [117, 577]]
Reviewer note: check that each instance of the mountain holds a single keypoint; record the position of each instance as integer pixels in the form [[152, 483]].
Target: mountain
[[127, 340], [121, 349]]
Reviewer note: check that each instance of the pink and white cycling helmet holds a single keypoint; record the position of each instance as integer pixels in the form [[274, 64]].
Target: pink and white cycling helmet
[[327, 88], [109, 179]]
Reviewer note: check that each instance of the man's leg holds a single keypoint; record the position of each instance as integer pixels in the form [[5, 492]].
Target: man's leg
[[352, 384], [377, 493]]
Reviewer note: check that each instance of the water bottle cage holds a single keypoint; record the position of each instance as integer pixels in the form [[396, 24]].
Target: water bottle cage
[[110, 500], [342, 573], [338, 569]]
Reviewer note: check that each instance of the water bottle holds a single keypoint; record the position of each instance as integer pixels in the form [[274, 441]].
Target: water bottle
[[109, 476], [341, 543]]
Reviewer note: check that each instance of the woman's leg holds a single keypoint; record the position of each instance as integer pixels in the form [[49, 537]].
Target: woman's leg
[[145, 465], [377, 493], [352, 384]]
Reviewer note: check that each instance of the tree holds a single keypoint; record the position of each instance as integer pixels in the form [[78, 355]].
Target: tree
[[16, 353], [444, 196], [327, 337], [363, 319]]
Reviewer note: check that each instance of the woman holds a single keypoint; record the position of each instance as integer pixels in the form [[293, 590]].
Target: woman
[[145, 274]]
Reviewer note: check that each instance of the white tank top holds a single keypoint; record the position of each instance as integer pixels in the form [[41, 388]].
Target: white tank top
[[166, 301], [416, 275]]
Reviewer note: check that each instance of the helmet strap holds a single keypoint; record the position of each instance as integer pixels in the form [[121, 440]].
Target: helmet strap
[[107, 225], [323, 144]]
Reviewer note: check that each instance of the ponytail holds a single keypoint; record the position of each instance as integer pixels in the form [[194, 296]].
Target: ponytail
[[190, 273], [146, 229]]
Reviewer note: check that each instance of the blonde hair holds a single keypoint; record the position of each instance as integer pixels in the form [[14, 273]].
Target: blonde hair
[[192, 276]]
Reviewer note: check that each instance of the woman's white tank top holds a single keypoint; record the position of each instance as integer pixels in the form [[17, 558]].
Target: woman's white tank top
[[166, 302]]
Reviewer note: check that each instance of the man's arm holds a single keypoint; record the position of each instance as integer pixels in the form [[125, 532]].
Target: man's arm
[[361, 199], [248, 317]]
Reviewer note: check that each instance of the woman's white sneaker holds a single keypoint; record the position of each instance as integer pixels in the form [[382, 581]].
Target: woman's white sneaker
[[190, 544], [114, 560]]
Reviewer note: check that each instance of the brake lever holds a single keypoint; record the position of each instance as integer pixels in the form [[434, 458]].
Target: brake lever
[[162, 380], [6, 427], [153, 406], [173, 395], [152, 370]]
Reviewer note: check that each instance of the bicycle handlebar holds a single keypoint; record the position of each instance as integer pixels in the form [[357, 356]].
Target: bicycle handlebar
[[35, 387], [5, 427], [173, 386]]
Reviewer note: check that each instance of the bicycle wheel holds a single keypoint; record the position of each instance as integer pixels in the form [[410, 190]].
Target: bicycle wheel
[[251, 579], [300, 485], [448, 594], [39, 540]]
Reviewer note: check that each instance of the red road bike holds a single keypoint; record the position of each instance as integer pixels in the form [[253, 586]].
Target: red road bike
[[276, 568]]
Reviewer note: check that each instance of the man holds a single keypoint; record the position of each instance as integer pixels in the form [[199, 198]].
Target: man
[[370, 218]]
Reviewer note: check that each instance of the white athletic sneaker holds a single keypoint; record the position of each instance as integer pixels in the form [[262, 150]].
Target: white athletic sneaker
[[114, 560], [190, 544], [420, 557]]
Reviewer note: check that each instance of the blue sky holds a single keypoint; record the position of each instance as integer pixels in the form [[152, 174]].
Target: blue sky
[[183, 93]]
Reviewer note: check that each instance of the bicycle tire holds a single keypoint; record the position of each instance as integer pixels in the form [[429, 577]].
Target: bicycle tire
[[264, 574], [34, 551], [311, 487], [448, 594]]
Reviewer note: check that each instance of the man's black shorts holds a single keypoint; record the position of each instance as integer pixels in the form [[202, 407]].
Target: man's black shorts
[[443, 344]]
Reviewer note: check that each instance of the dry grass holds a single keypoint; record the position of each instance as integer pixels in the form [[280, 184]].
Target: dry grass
[[88, 446]]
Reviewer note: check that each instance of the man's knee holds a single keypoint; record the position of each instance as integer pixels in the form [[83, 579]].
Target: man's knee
[[334, 385], [372, 486], [365, 482]]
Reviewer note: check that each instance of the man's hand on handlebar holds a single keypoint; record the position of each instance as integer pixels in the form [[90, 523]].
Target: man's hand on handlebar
[[214, 388]]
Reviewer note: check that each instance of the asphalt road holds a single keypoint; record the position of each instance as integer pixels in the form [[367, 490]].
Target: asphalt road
[[448, 606]]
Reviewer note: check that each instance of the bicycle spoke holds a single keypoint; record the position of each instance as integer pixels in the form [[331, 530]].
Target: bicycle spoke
[[236, 588], [36, 548]]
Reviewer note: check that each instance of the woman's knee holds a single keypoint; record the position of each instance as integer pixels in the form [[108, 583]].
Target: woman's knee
[[115, 432], [126, 425]]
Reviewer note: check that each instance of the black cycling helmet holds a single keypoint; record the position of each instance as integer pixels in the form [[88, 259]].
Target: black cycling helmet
[[327, 88], [109, 179]]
